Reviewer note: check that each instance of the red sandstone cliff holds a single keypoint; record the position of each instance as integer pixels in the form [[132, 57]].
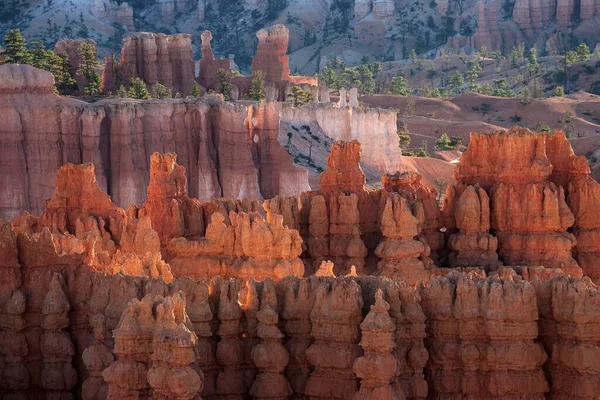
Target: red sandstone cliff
[[213, 140]]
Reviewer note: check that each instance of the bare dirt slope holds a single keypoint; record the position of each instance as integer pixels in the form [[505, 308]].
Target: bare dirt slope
[[427, 119]]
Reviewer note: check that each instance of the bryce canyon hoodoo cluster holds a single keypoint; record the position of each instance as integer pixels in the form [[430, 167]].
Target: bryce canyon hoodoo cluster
[[238, 212], [344, 292]]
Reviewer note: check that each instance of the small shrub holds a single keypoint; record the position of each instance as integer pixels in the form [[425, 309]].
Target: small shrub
[[540, 127]]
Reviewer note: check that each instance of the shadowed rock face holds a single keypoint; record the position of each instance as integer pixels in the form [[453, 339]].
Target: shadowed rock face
[[179, 298], [155, 58]]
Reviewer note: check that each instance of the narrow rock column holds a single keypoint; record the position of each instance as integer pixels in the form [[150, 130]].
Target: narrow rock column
[[58, 375], [324, 95], [269, 356], [297, 305], [473, 246], [202, 318], [378, 366], [583, 197], [173, 351], [230, 350], [342, 102], [346, 247], [336, 340], [14, 375], [575, 356], [353, 98], [250, 305], [402, 257], [96, 358], [410, 351]]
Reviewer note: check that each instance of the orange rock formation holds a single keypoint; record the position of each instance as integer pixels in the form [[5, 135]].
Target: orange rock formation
[[89, 308], [528, 211]]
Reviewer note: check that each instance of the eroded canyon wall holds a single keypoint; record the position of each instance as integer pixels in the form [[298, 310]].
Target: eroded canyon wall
[[375, 129], [155, 58], [228, 150]]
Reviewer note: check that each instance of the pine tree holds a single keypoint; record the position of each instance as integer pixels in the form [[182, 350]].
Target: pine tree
[[15, 51], [138, 89], [455, 81], [473, 72], [87, 68], [122, 92], [422, 151], [40, 57], [398, 86], [443, 143], [257, 88], [559, 91], [367, 83], [501, 88], [413, 56], [300, 96], [225, 83], [160, 91], [195, 90], [537, 90], [583, 52], [498, 57], [533, 67], [524, 96], [328, 78], [485, 89], [63, 79]]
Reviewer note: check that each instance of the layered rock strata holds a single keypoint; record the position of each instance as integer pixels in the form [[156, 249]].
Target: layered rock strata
[[156, 58], [528, 211], [214, 141], [58, 375], [409, 351], [375, 129], [208, 65], [480, 332], [482, 339], [567, 304], [84, 284], [410, 186], [269, 356], [333, 356], [334, 217], [96, 359], [245, 247]]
